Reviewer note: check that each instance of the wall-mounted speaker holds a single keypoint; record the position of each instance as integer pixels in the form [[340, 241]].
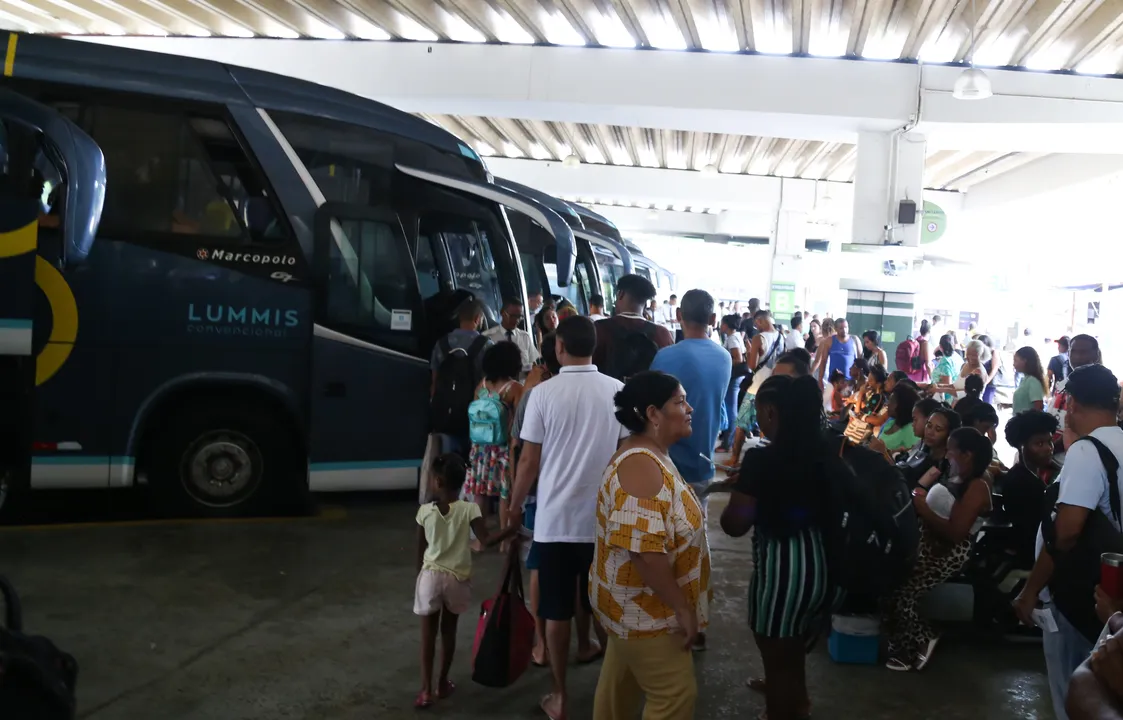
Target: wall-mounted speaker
[[906, 212]]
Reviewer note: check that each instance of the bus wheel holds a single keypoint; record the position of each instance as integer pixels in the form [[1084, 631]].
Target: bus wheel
[[221, 461]]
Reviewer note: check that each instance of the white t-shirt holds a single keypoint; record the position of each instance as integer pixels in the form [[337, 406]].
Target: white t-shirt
[[668, 319], [793, 339], [519, 337], [1083, 478], [597, 316], [735, 341], [573, 417]]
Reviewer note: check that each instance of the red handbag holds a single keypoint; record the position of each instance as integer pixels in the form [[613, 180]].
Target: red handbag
[[505, 631]]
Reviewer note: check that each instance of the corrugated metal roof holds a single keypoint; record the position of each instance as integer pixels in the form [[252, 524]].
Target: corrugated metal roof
[[705, 152], [1080, 35]]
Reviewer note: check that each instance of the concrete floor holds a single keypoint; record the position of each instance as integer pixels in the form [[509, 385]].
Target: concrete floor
[[312, 619]]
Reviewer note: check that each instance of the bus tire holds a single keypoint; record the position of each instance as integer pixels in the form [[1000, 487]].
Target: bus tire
[[220, 459]]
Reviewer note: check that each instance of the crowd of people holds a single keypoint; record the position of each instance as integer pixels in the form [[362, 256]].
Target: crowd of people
[[600, 451]]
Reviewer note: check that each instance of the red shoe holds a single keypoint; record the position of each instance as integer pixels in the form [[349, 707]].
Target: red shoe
[[424, 700], [445, 689]]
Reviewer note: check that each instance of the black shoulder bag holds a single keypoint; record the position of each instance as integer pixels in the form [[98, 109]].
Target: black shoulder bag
[[1076, 572]]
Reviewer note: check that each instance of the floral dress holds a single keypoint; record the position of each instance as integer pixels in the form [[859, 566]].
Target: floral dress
[[488, 465]]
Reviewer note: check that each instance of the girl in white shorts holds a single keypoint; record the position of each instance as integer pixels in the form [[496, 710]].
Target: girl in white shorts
[[444, 560]]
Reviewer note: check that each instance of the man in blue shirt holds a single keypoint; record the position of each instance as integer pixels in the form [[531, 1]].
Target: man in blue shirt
[[703, 367]]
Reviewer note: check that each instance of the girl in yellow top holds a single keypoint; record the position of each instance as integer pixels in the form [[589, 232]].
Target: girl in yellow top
[[650, 581], [444, 564]]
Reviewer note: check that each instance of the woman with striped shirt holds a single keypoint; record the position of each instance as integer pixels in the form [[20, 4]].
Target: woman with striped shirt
[[781, 494]]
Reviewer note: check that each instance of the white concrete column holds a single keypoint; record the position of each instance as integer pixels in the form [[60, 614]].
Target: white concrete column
[[890, 168], [787, 287]]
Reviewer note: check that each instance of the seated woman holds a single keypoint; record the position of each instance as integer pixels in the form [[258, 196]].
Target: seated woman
[[874, 409], [650, 583], [973, 387], [897, 434], [920, 414], [780, 494], [951, 515], [1023, 486], [925, 470], [895, 377]]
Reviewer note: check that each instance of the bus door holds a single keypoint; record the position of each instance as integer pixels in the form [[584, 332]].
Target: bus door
[[539, 254], [609, 272], [368, 426], [465, 239], [471, 223], [44, 159], [532, 242]]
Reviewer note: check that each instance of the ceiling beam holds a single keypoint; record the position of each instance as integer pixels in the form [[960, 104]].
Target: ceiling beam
[[1030, 112]]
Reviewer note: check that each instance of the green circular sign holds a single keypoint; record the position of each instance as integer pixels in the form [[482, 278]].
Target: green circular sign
[[935, 223]]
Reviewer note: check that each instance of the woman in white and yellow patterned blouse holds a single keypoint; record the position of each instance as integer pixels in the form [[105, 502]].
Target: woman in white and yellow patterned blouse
[[650, 580]]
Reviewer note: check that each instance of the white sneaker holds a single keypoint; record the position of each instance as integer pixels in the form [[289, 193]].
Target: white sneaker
[[897, 665]]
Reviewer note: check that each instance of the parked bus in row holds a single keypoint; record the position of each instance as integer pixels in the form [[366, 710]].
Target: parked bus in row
[[548, 267], [227, 284]]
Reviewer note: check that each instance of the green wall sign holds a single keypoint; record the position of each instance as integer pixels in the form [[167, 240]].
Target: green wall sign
[[935, 223], [782, 301]]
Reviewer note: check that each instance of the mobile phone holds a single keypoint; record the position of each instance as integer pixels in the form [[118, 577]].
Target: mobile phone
[[718, 465]]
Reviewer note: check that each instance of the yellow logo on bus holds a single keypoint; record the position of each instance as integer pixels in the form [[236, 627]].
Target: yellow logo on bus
[[64, 309]]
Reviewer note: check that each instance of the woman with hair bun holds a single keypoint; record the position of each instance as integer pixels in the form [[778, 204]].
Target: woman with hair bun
[[781, 493], [650, 583]]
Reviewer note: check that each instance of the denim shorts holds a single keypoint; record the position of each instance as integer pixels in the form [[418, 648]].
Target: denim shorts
[[529, 512]]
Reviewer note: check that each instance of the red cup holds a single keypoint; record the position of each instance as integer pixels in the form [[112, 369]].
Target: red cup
[[1111, 574]]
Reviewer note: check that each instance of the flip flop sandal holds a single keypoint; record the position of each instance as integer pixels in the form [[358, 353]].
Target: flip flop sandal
[[446, 689], [424, 701]]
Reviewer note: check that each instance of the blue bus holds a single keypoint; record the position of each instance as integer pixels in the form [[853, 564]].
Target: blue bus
[[226, 284]]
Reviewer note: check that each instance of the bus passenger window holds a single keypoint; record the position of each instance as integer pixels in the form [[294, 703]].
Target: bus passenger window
[[168, 172], [371, 284]]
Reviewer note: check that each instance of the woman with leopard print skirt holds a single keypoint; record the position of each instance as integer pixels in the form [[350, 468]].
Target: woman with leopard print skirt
[[951, 515]]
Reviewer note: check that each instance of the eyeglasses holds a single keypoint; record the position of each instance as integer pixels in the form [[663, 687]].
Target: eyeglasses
[[513, 315]]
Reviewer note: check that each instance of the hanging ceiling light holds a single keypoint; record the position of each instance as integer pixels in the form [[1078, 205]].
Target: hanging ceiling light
[[972, 83], [709, 169], [571, 161]]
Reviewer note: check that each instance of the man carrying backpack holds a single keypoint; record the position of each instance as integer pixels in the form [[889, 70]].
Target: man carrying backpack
[[457, 364], [626, 342], [1085, 523]]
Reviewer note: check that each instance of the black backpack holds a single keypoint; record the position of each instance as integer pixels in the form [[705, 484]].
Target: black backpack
[[632, 351], [457, 378], [873, 532], [1076, 572], [37, 679]]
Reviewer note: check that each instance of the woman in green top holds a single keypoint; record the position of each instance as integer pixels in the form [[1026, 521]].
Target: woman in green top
[[897, 434], [1030, 394]]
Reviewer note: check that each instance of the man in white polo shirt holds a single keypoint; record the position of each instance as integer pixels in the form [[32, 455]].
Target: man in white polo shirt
[[1085, 488], [569, 434]]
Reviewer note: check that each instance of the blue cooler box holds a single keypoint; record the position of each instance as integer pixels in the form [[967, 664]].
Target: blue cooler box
[[855, 639]]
